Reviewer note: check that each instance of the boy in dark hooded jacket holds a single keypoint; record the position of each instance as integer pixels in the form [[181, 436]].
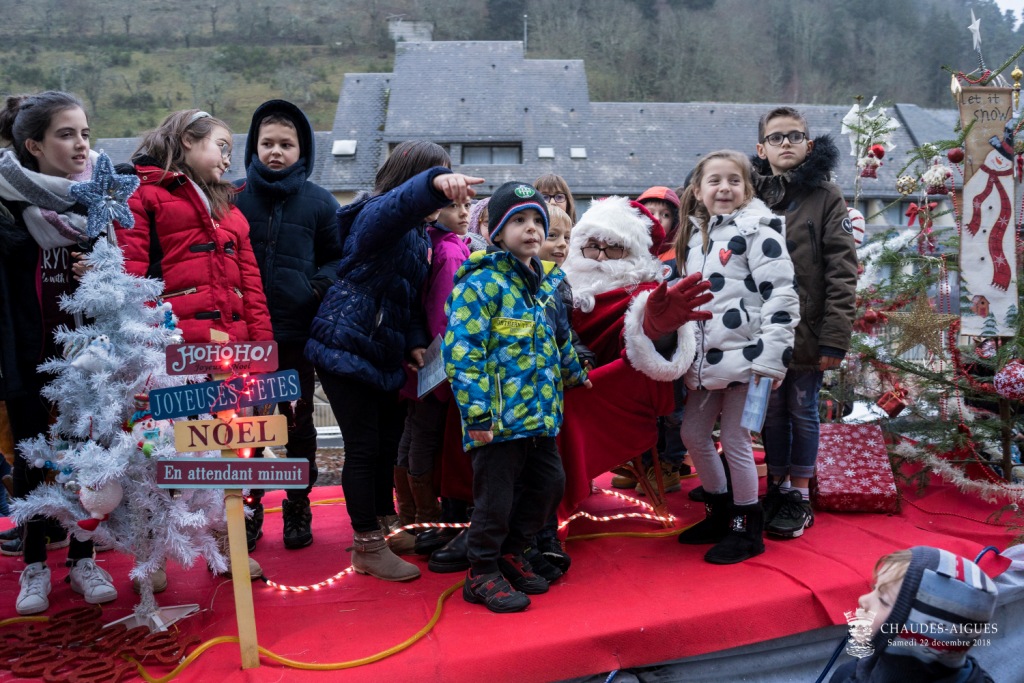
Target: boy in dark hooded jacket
[[294, 232], [792, 176]]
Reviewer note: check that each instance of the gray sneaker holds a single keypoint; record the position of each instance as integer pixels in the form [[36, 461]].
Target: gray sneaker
[[793, 516]]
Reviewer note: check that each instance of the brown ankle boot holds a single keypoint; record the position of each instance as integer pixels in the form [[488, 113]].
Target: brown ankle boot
[[371, 555], [402, 543]]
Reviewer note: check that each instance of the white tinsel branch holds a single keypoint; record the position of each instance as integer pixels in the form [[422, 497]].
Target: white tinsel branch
[[988, 491]]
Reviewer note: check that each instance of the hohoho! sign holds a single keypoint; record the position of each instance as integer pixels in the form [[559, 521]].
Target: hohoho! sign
[[230, 357]]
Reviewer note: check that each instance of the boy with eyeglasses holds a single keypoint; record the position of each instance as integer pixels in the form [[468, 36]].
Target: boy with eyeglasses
[[792, 176]]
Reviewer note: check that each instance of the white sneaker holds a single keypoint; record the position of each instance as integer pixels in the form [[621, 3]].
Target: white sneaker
[[92, 582], [35, 586]]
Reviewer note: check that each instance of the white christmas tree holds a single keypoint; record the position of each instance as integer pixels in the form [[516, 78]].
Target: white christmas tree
[[103, 445]]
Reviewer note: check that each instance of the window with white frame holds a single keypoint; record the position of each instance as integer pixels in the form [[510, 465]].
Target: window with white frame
[[490, 155]]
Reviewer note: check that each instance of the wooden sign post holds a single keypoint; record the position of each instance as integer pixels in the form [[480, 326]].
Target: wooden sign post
[[229, 432]]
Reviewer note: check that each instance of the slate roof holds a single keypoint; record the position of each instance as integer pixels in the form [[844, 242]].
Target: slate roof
[[487, 92]]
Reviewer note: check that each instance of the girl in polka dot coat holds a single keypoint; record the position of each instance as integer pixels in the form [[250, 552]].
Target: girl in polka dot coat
[[739, 246]]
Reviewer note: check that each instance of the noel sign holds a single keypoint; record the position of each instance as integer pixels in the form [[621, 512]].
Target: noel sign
[[988, 263]]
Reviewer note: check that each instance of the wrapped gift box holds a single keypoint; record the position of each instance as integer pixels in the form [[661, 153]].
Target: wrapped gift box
[[853, 472]]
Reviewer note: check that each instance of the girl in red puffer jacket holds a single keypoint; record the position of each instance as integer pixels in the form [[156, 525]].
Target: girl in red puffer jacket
[[189, 233]]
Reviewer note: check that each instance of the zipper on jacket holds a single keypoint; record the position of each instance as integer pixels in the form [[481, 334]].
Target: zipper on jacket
[[814, 242], [238, 292], [702, 323], [378, 319], [180, 292], [496, 419]]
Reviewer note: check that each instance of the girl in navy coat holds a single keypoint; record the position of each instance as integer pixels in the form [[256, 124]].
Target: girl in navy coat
[[370, 323]]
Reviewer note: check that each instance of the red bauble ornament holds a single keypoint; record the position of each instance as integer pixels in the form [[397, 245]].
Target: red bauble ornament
[[956, 155], [878, 151], [1009, 381]]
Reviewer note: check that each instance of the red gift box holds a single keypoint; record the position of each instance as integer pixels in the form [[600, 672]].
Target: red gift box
[[853, 471], [893, 401]]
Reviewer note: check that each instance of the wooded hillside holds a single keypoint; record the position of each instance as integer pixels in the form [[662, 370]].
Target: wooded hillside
[[135, 60]]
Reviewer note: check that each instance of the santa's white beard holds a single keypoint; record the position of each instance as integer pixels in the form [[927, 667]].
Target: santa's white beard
[[589, 277]]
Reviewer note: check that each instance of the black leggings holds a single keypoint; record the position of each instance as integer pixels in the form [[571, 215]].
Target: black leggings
[[30, 417], [371, 422]]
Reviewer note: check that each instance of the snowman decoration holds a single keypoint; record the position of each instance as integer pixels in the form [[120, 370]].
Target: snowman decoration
[[987, 254], [99, 502]]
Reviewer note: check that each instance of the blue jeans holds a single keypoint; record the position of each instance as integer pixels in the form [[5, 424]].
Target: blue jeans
[[790, 433]]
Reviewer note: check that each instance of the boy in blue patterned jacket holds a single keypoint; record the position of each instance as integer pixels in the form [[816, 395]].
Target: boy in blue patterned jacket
[[507, 372]]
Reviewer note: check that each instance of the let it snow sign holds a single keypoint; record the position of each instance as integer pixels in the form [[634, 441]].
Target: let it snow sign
[[988, 260]]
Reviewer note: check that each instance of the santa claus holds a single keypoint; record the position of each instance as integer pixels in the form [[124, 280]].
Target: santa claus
[[640, 331]]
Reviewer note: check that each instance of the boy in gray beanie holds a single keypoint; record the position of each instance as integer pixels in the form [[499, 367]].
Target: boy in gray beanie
[[929, 607]]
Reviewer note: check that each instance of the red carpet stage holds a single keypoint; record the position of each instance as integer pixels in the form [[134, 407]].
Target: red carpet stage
[[633, 597]]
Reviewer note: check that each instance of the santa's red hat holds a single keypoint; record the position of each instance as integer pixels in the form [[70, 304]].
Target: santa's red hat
[[620, 220]]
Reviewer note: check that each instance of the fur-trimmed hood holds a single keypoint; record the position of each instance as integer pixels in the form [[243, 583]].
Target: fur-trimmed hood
[[816, 170]]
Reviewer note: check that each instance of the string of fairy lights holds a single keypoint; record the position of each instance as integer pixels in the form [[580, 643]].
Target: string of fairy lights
[[651, 516]]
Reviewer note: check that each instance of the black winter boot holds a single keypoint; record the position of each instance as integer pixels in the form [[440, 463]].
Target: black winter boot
[[254, 524], [715, 525], [548, 543], [745, 536], [297, 521], [454, 557], [435, 538], [431, 540]]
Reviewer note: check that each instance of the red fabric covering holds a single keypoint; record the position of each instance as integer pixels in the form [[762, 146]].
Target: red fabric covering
[[607, 425], [625, 602], [456, 465]]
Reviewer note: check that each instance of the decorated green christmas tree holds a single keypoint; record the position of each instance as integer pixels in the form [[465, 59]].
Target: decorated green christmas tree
[[939, 336]]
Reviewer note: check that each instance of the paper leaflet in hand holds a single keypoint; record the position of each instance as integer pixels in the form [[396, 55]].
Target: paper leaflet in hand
[[431, 375]]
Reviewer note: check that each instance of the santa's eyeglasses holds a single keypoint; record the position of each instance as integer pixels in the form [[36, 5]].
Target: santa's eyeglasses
[[612, 251]]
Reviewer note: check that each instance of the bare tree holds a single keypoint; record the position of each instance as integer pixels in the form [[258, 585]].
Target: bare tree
[[213, 19], [90, 78], [296, 83]]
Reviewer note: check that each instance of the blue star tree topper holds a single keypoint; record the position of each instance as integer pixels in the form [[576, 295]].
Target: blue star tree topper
[[106, 195]]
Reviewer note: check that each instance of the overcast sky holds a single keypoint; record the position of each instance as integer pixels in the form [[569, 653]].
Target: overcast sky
[[1015, 5]]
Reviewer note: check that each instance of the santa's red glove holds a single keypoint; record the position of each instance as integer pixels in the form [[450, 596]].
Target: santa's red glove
[[669, 309]]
